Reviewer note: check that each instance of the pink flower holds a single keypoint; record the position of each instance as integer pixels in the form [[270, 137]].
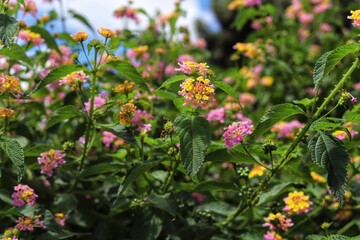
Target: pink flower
[[186, 57], [306, 18], [216, 115], [51, 160], [272, 235], [251, 3], [60, 218], [278, 221], [287, 129], [199, 197], [246, 99], [140, 119], [23, 195], [236, 132], [28, 223], [325, 28], [74, 78], [98, 102]]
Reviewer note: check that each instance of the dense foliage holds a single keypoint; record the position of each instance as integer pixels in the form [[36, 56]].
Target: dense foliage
[[123, 134]]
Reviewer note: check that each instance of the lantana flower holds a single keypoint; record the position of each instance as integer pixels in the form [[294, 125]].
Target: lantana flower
[[51, 160], [10, 84], [355, 16], [272, 235], [107, 33], [80, 36], [278, 221], [297, 202], [29, 224], [31, 37], [141, 119], [24, 195], [126, 113], [236, 132], [197, 92], [73, 79], [6, 113]]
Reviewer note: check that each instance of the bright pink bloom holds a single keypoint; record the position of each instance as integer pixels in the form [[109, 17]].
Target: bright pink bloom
[[186, 57], [236, 132], [272, 235], [51, 160], [108, 138], [29, 7], [194, 68], [127, 12], [306, 18], [216, 115], [23, 195], [251, 3]]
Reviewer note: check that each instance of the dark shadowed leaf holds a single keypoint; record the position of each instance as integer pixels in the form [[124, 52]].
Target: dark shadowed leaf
[[15, 153], [8, 28]]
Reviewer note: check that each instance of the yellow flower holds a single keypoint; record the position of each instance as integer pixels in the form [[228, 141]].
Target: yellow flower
[[257, 170], [80, 36], [355, 16], [126, 87], [6, 113], [107, 33], [317, 177], [127, 111], [297, 202]]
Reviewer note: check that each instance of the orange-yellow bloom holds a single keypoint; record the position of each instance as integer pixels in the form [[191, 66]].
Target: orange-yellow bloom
[[107, 33], [257, 170], [6, 113], [80, 36], [126, 87], [297, 202], [355, 16]]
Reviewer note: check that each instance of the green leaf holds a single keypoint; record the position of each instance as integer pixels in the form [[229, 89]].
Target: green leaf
[[273, 193], [273, 115], [57, 74], [215, 186], [49, 39], [81, 18], [331, 154], [326, 124], [243, 16], [315, 237], [127, 70], [340, 237], [147, 226], [135, 172], [329, 60], [174, 79], [227, 89], [15, 153], [195, 134], [61, 114], [166, 203], [100, 169], [234, 156], [8, 28], [15, 52], [35, 151]]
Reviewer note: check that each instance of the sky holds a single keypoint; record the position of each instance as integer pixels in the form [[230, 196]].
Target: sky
[[100, 13]]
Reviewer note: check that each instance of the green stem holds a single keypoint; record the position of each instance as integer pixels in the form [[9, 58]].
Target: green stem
[[86, 56], [254, 198], [254, 159]]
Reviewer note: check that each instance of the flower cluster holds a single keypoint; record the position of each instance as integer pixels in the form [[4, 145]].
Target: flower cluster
[[236, 132], [272, 235], [109, 138], [342, 135], [278, 221], [126, 87], [127, 12], [31, 37], [216, 115], [73, 79], [194, 69], [107, 33], [98, 102], [24, 195], [257, 171], [140, 52], [297, 202], [60, 218], [80, 36], [10, 84], [28, 223], [11, 234], [126, 112], [287, 129], [250, 50], [197, 92], [141, 119], [29, 7], [355, 16], [6, 113], [51, 160], [247, 3]]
